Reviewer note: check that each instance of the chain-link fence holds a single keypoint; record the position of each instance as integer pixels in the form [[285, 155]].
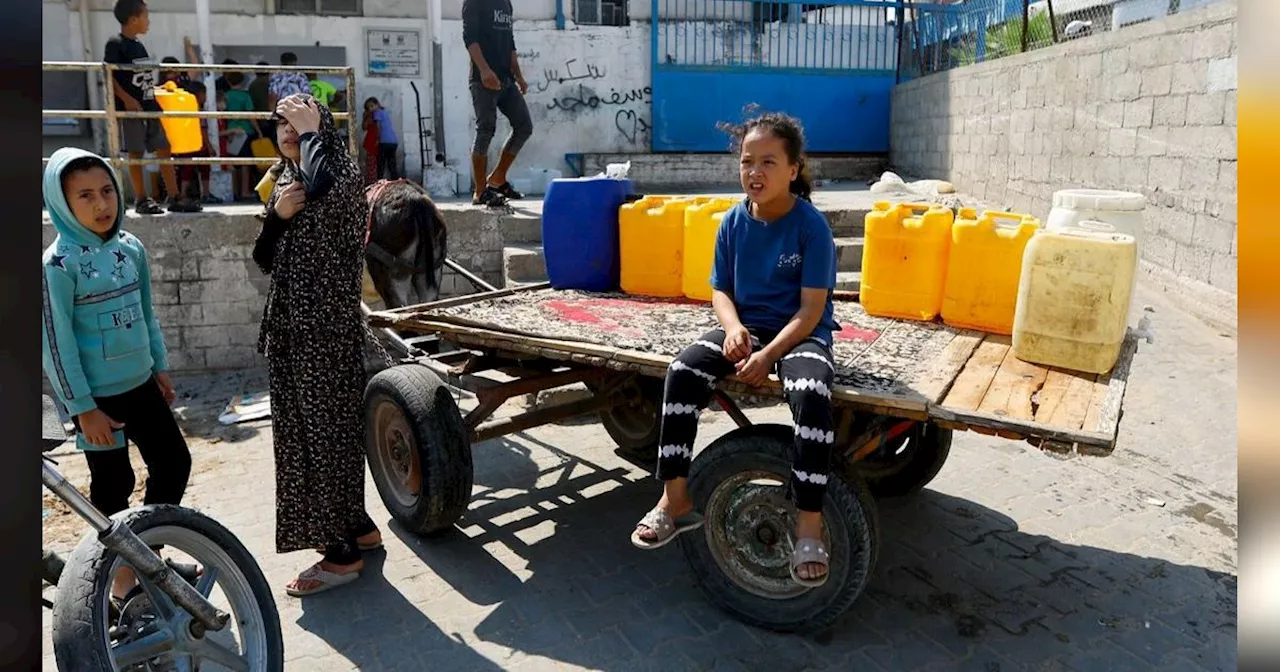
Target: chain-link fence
[[943, 35]]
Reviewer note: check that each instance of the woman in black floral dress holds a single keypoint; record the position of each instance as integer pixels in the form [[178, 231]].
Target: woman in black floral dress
[[313, 334]]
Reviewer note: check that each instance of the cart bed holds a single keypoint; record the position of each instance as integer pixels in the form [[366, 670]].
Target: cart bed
[[960, 379]]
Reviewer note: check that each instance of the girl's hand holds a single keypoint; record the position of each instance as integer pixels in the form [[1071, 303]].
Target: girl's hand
[[303, 116], [737, 344], [755, 369], [97, 427], [166, 387], [291, 200]]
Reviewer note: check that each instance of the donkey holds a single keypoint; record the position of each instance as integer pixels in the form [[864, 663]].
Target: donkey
[[406, 243]]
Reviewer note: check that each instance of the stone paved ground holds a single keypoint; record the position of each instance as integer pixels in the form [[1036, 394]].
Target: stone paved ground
[[1010, 560]]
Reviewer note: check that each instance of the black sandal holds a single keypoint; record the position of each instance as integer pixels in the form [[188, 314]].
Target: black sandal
[[489, 198], [147, 206], [508, 191]]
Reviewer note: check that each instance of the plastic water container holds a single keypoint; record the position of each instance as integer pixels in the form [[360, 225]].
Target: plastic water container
[[983, 269], [184, 133], [651, 246], [580, 232], [701, 222], [1074, 296], [904, 260], [1121, 209]]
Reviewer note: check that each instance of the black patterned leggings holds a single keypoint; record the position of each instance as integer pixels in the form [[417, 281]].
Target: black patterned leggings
[[807, 373]]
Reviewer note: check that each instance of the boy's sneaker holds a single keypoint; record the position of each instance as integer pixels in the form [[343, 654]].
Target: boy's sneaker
[[184, 205], [147, 206]]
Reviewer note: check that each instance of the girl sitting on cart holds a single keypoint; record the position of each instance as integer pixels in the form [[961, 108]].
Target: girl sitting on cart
[[772, 280]]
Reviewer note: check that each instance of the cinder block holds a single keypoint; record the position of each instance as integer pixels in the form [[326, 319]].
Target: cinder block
[[1115, 61], [1215, 42], [1221, 75], [1199, 175], [1122, 142], [1160, 251], [1170, 111], [186, 359], [1217, 142], [1152, 141], [218, 312], [1227, 175], [230, 357], [164, 293], [1190, 77], [1157, 81], [1125, 87], [1192, 262], [1214, 235], [1184, 141], [1206, 109], [206, 336], [1178, 226], [1138, 113], [1110, 115], [1222, 272], [179, 315], [223, 269]]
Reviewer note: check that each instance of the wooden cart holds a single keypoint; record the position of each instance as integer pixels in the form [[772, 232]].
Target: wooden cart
[[901, 389]]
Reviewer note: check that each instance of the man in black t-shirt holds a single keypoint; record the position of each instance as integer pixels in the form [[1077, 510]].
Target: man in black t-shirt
[[496, 84], [135, 92]]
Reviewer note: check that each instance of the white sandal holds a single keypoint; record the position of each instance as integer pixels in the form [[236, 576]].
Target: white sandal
[[325, 580], [665, 529], [810, 551]]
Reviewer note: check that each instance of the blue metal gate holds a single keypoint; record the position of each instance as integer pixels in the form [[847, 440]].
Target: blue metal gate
[[832, 65]]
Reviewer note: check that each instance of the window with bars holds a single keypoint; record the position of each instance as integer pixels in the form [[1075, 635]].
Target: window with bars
[[329, 7], [601, 12]]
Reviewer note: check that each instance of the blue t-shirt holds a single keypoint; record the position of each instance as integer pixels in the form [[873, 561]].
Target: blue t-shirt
[[764, 266], [386, 132]]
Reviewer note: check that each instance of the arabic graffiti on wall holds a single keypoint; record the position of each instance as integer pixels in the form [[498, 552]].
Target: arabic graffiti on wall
[[578, 87]]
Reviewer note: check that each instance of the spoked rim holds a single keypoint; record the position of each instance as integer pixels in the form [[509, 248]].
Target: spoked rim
[[750, 531], [166, 641], [397, 453]]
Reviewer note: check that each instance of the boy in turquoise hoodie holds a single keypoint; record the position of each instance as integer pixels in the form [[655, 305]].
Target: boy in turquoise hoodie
[[102, 346]]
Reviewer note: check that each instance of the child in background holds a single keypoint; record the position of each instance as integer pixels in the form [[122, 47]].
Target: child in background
[[135, 92], [238, 100], [197, 176], [371, 144], [103, 350]]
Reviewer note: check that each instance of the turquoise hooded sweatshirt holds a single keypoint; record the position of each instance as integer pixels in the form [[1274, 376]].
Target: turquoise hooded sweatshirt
[[100, 335]]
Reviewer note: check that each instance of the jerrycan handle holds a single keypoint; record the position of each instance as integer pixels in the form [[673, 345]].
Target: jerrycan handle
[[991, 218], [1095, 225]]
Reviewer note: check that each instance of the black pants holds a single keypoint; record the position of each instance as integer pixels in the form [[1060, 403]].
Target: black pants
[[348, 552], [807, 373], [487, 103], [148, 424], [387, 161]]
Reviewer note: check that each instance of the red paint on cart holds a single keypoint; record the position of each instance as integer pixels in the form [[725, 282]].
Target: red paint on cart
[[852, 333]]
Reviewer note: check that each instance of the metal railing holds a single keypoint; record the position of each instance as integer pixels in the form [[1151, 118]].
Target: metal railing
[[112, 116]]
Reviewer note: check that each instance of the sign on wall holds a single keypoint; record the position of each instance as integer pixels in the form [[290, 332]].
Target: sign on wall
[[393, 53]]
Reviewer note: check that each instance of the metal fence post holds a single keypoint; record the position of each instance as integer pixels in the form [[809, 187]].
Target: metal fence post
[[109, 106]]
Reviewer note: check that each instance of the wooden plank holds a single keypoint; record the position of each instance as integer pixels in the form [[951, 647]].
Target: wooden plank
[[975, 378], [1012, 387], [936, 379], [1064, 399], [1013, 428], [1104, 408]]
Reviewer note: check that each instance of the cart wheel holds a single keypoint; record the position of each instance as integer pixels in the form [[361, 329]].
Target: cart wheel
[[908, 463], [741, 559], [634, 425], [418, 448]]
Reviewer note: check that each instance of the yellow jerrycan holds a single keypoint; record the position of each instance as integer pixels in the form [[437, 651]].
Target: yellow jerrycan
[[904, 260], [983, 268], [184, 133], [701, 221], [651, 246]]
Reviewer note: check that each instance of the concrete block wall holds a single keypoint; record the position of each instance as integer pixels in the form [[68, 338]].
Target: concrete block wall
[[1149, 108], [208, 293]]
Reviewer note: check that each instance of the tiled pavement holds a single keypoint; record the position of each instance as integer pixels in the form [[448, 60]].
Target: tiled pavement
[[1010, 560]]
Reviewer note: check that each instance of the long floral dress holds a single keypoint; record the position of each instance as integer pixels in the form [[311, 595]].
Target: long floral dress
[[313, 337]]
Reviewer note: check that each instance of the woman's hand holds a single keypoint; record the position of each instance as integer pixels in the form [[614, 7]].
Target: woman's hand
[[303, 116], [754, 370], [166, 387], [97, 427], [291, 200], [737, 343]]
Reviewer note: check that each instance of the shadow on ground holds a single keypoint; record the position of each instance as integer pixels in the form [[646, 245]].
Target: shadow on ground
[[957, 584]]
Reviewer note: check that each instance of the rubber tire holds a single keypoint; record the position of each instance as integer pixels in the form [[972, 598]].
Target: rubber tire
[[78, 627], [441, 438], [769, 447], [925, 463], [650, 389]]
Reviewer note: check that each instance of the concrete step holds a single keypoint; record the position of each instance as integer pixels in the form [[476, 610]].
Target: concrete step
[[849, 254], [847, 222], [520, 228], [522, 264], [849, 280]]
